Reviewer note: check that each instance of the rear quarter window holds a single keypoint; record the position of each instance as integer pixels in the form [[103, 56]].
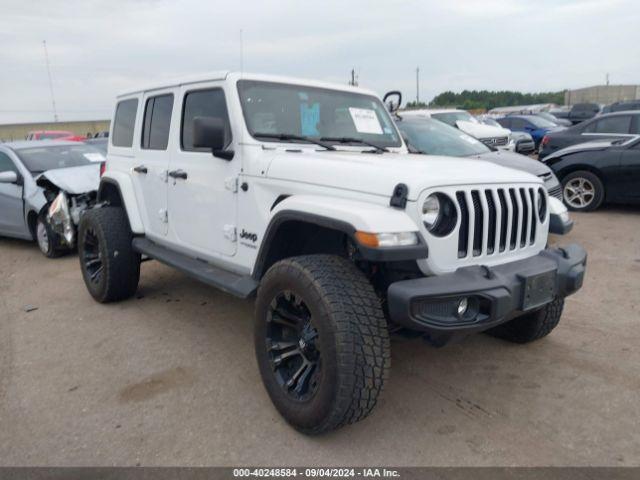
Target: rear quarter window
[[124, 123]]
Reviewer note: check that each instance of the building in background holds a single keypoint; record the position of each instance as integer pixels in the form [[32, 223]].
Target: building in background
[[18, 131], [604, 94]]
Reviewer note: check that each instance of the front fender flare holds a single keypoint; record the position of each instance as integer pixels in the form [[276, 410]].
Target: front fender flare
[[125, 187], [348, 217]]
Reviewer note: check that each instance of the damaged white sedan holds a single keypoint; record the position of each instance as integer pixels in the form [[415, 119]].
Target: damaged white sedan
[[45, 186]]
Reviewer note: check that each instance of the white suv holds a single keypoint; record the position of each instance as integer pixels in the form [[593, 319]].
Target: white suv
[[493, 137], [302, 193]]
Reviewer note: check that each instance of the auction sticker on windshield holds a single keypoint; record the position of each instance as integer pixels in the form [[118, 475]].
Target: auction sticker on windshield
[[365, 120]]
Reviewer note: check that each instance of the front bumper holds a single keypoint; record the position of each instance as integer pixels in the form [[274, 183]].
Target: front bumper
[[494, 294]]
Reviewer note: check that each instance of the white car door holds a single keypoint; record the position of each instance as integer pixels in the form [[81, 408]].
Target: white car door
[[11, 206], [202, 188]]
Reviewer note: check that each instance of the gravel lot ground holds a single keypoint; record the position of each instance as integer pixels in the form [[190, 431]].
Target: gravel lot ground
[[169, 378]]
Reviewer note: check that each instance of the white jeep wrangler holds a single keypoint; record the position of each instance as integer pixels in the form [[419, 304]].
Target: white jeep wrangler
[[303, 194]]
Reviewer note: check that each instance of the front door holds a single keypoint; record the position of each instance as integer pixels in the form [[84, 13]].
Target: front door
[[11, 205], [202, 188]]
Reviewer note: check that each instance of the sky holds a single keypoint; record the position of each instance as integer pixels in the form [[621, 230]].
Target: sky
[[98, 48]]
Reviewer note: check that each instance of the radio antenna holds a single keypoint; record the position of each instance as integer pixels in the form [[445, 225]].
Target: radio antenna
[[53, 98]]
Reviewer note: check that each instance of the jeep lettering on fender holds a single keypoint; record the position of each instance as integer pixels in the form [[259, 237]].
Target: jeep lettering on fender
[[344, 234]]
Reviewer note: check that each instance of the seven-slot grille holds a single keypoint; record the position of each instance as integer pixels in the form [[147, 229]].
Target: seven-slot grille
[[495, 141], [495, 220]]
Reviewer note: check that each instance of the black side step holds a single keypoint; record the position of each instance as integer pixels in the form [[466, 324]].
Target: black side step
[[238, 285]]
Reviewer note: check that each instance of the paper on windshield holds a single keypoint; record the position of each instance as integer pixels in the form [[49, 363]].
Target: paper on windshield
[[365, 120]]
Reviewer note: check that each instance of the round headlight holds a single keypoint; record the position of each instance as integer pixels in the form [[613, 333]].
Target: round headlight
[[439, 214], [542, 205], [431, 211]]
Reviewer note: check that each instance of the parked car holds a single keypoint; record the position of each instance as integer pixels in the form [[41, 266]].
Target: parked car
[[534, 125], [561, 122], [622, 106], [600, 171], [523, 142], [491, 136], [431, 137], [610, 125], [101, 143], [45, 186], [48, 134], [583, 111], [303, 194]]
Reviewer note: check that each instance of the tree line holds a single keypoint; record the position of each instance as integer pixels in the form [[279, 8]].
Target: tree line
[[486, 100]]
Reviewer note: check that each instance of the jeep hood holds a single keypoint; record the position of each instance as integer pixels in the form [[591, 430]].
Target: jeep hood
[[73, 180], [480, 130], [378, 174]]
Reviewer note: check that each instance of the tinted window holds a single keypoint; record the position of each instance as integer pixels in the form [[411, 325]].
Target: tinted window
[[615, 124], [203, 103], [6, 164], [505, 122], [433, 137], [518, 124], [157, 120], [124, 123], [50, 157]]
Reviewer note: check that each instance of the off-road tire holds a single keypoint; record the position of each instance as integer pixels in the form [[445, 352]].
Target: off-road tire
[[531, 326], [352, 336], [55, 244], [599, 193], [121, 264]]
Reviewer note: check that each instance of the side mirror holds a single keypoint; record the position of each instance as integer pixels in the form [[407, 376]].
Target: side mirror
[[391, 106], [8, 177], [209, 132]]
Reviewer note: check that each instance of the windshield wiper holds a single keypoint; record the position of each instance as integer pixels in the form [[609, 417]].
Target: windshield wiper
[[290, 136], [354, 140]]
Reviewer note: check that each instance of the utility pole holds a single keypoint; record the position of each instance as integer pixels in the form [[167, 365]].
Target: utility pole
[[53, 98], [607, 78], [418, 85]]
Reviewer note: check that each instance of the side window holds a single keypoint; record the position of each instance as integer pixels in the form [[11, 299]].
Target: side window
[[124, 122], [518, 124], [157, 120], [505, 122], [589, 127], [615, 124], [635, 125], [203, 103], [6, 164]]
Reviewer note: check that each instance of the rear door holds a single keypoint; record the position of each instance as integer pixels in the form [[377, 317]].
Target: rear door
[[152, 160], [202, 188], [630, 173], [11, 204]]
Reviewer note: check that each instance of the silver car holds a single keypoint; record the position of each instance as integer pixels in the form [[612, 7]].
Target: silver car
[[45, 186]]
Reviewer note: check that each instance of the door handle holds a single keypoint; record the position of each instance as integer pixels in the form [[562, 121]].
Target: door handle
[[178, 174], [140, 169]]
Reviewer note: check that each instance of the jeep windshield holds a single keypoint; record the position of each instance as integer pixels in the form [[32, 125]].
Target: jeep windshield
[[284, 111]]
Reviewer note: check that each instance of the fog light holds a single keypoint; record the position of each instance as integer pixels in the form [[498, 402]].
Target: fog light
[[463, 304]]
